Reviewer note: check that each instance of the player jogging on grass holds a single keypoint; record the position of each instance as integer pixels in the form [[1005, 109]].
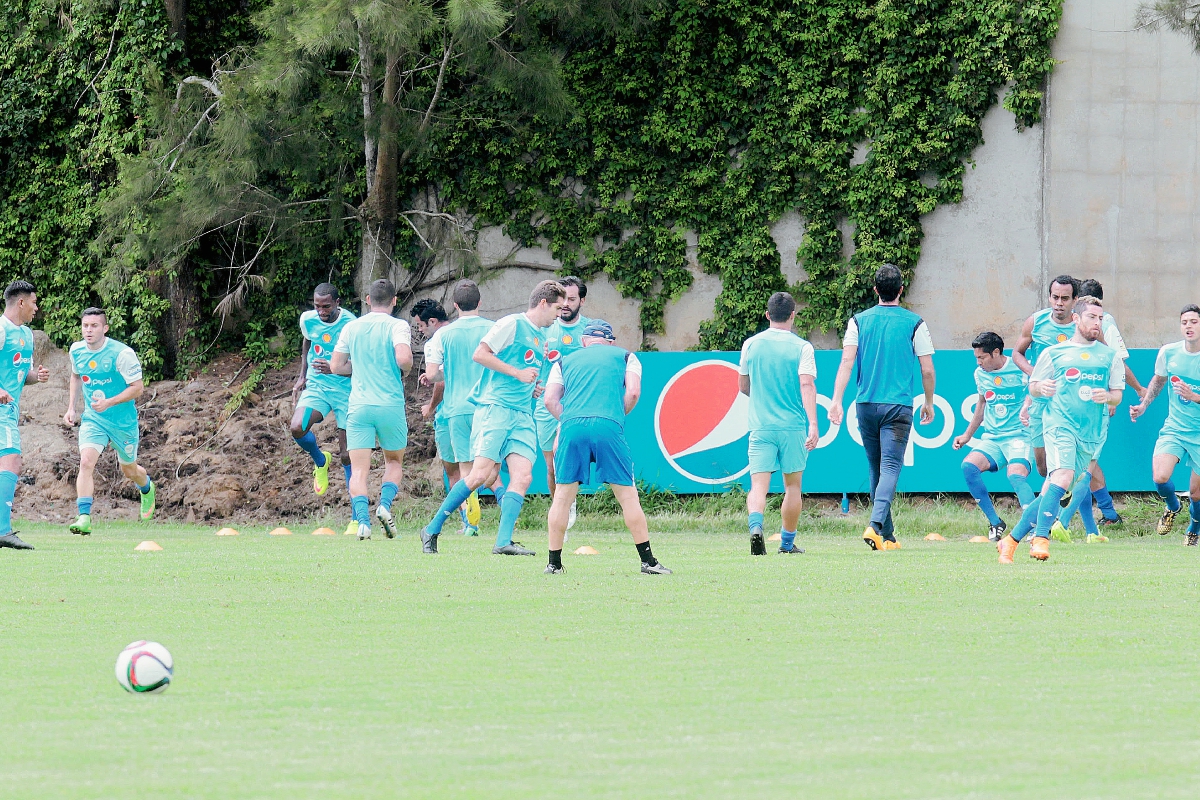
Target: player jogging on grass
[[778, 372], [502, 428], [429, 317], [375, 351], [109, 376], [1178, 364], [1004, 443], [318, 391], [16, 371], [1081, 378], [590, 391]]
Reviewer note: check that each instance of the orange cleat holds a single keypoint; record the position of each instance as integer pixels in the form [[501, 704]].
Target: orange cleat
[[873, 539], [1040, 549], [889, 545], [1007, 547]]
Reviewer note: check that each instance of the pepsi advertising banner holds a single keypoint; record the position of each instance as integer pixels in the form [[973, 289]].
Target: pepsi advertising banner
[[689, 431]]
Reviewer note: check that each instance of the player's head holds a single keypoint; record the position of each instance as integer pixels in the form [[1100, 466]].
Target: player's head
[[1088, 313], [1091, 287], [1063, 291], [94, 324], [546, 302], [573, 302], [597, 332], [781, 307], [466, 295], [326, 302], [21, 297], [428, 315], [382, 296], [989, 351], [1189, 322], [889, 283]]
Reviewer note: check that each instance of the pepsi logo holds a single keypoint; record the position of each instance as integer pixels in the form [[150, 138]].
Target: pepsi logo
[[530, 357], [701, 422], [1175, 379], [317, 349], [989, 396], [1072, 374], [16, 359], [554, 355], [85, 378]]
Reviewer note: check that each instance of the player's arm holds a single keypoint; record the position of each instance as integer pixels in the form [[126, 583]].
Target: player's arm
[[1023, 342], [929, 384], [973, 425], [404, 358], [1132, 382], [439, 390], [1156, 385], [340, 364], [71, 417], [849, 354], [1041, 381], [489, 360], [744, 384], [633, 389], [808, 398], [39, 375], [434, 372], [552, 399], [302, 377], [131, 392]]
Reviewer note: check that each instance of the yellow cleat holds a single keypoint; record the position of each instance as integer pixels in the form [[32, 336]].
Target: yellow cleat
[[873, 539], [351, 529], [1060, 534], [889, 545], [321, 474], [473, 512], [1093, 538]]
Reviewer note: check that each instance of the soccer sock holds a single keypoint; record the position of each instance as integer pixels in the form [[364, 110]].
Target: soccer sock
[[145, 489], [362, 509], [346, 469], [1048, 508], [1088, 516], [498, 493], [786, 539], [556, 558], [756, 521], [975, 486], [1167, 492], [8, 488], [1105, 502], [645, 554], [1025, 524], [1080, 493], [308, 443], [84, 504], [1020, 484], [510, 509], [1194, 509], [387, 493], [458, 494]]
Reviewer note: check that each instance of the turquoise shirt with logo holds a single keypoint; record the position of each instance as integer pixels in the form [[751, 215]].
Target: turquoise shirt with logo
[[453, 347], [593, 380], [1003, 393], [774, 360], [370, 341], [563, 339], [1046, 333], [324, 337], [16, 359], [1078, 369], [1177, 365], [105, 373], [519, 343]]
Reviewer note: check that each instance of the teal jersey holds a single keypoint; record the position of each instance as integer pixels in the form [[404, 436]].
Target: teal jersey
[[105, 373], [453, 347], [1078, 369], [1177, 365], [1003, 393], [324, 337], [593, 381], [519, 343], [774, 360], [1046, 333], [370, 341], [562, 340], [16, 360]]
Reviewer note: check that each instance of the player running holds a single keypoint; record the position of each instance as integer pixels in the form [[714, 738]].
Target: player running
[[109, 376], [429, 317], [502, 429], [591, 391], [318, 391], [778, 372], [16, 371], [1178, 363], [1081, 378], [1004, 443], [375, 351]]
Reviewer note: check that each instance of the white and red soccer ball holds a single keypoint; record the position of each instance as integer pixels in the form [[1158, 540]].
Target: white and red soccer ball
[[145, 668]]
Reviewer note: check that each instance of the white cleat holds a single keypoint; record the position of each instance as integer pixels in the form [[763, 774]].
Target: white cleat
[[364, 531], [384, 516], [571, 516]]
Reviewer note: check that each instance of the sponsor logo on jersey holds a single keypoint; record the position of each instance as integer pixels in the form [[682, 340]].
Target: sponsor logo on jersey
[[92, 364], [701, 422], [1175, 379], [1084, 356], [85, 378], [567, 338], [989, 396], [1072, 374], [997, 380], [1062, 337], [17, 359], [326, 338], [553, 355], [317, 349], [531, 357]]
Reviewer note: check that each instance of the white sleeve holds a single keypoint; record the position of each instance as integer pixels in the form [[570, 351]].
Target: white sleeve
[[129, 366], [851, 339], [555, 377], [1160, 363], [743, 364], [633, 365], [502, 334], [1043, 370], [922, 341], [343, 342], [434, 352], [1116, 376], [1114, 339], [808, 361], [71, 358], [401, 333]]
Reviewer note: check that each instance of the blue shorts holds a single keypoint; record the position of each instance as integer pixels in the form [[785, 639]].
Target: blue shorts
[[365, 424], [547, 426], [458, 439], [1064, 450], [777, 451], [593, 440], [498, 432], [1170, 444], [323, 400], [1007, 451], [96, 436]]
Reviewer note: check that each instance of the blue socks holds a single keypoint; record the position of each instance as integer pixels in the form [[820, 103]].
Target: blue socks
[[458, 495], [1026, 523], [1081, 498], [143, 489], [1165, 490], [756, 521], [1105, 502], [1194, 508], [1048, 508], [510, 509], [84, 504], [1020, 484], [975, 486], [362, 509], [8, 488], [346, 469], [387, 493], [787, 539], [498, 493], [308, 443]]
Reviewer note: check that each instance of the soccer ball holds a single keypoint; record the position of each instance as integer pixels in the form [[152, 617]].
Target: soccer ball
[[144, 667]]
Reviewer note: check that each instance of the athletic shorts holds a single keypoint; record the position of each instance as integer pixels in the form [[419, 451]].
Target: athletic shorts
[[1169, 444], [10, 434], [498, 432], [324, 400], [584, 441], [1006, 451], [96, 436], [777, 451], [458, 438], [441, 439], [1065, 451], [1037, 436], [365, 424], [547, 426]]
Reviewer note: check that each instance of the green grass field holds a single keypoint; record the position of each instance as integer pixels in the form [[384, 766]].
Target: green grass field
[[325, 667]]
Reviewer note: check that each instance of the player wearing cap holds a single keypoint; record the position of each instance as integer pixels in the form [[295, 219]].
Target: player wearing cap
[[778, 372], [502, 428], [318, 392], [1178, 364], [590, 391], [1081, 378], [1004, 443], [16, 370], [375, 350], [109, 376]]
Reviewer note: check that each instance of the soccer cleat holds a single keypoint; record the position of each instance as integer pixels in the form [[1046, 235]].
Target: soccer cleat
[[553, 569], [385, 518], [572, 515], [429, 542], [1096, 538], [364, 531], [1065, 501], [1060, 534], [996, 532], [873, 539], [656, 568], [473, 511], [82, 526], [1040, 548], [351, 529], [321, 474], [758, 545], [512, 549], [1192, 539], [471, 530], [147, 511], [795, 551], [891, 544], [1166, 521], [1106, 521], [14, 541], [1007, 548]]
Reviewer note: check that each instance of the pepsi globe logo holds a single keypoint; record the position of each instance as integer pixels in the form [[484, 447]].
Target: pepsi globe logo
[[989, 396], [85, 378], [1072, 374], [16, 359], [317, 349], [530, 357], [553, 355], [701, 422]]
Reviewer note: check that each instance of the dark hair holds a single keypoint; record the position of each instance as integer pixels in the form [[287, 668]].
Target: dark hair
[[466, 295], [93, 311], [571, 280], [17, 288], [427, 309], [1192, 307], [1066, 280], [381, 292], [988, 342], [326, 290], [888, 282], [780, 307], [548, 291], [1091, 287], [1081, 303]]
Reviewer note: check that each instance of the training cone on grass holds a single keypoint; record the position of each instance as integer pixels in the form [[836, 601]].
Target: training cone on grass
[[281, 532], [324, 532], [934, 537], [776, 537], [227, 532], [980, 540], [587, 550], [148, 546]]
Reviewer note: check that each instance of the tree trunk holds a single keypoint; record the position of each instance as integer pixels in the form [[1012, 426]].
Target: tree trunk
[[379, 225], [179, 323], [177, 12]]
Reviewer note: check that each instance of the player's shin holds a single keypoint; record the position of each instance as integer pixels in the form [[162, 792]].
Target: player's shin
[[974, 479], [510, 509], [1166, 491], [8, 489], [361, 507], [457, 495], [1081, 494], [387, 494], [1020, 485], [1047, 505], [1104, 502], [1027, 521], [84, 504], [308, 443]]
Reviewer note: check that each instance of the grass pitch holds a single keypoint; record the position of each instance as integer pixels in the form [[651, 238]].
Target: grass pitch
[[325, 667]]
